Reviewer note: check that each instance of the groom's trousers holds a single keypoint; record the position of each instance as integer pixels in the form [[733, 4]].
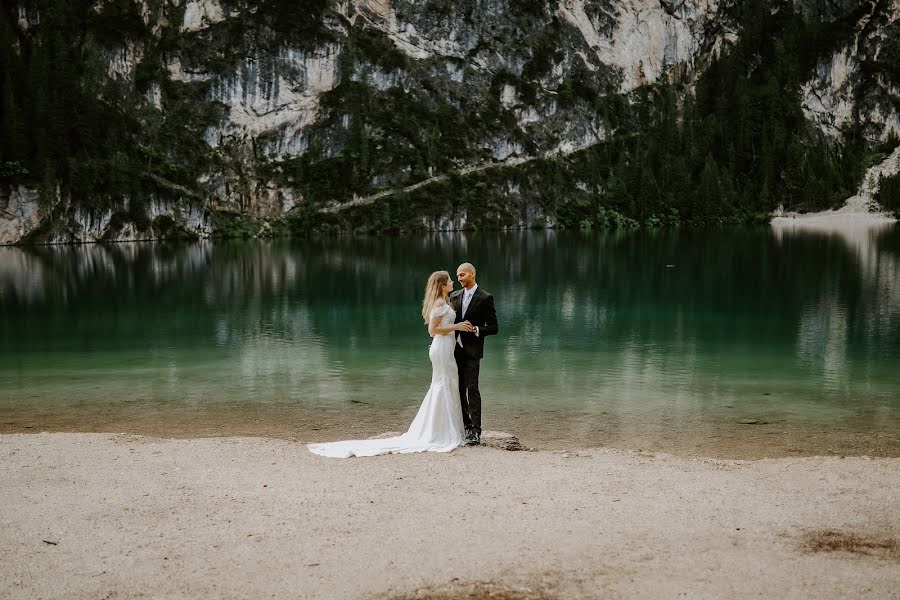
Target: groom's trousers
[[469, 395]]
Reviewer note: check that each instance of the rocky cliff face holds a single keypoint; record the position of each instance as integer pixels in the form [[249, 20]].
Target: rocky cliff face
[[415, 56], [405, 92], [858, 84]]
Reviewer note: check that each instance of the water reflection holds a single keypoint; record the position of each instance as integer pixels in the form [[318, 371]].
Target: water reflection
[[663, 340], [832, 320]]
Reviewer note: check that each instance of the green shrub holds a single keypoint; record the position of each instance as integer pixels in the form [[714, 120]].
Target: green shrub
[[889, 193]]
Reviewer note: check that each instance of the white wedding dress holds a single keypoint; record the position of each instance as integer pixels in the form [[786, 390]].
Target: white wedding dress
[[438, 426]]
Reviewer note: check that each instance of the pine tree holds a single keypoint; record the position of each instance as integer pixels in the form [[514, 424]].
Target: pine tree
[[710, 193]]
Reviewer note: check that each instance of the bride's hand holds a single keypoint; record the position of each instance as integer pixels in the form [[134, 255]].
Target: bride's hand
[[465, 326]]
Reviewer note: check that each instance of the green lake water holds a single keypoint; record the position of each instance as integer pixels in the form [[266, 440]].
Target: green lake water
[[657, 341]]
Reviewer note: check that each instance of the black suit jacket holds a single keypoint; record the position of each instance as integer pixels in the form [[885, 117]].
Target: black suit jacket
[[481, 314]]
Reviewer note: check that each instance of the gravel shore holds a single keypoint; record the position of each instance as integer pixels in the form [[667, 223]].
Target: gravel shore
[[122, 516]]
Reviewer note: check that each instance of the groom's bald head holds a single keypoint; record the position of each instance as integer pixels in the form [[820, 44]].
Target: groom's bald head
[[465, 273]]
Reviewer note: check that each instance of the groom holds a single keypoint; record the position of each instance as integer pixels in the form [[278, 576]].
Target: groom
[[477, 307]]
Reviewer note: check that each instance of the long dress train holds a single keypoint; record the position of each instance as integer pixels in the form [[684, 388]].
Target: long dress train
[[438, 426]]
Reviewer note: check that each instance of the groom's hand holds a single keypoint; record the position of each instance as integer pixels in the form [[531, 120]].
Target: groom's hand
[[469, 327]]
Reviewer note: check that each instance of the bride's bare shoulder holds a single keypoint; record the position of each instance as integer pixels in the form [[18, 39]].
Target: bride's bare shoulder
[[439, 308]]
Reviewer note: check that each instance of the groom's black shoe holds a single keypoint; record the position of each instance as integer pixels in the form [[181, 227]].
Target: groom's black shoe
[[471, 437]]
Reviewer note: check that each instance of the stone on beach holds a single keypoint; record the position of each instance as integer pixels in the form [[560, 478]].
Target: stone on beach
[[501, 440], [492, 439]]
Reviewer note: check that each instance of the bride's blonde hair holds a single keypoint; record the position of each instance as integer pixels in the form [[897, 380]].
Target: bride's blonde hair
[[433, 292]]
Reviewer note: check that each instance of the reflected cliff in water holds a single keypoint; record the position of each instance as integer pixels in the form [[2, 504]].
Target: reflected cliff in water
[[659, 340]]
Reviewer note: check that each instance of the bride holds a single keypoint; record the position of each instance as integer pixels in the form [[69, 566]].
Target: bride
[[438, 426]]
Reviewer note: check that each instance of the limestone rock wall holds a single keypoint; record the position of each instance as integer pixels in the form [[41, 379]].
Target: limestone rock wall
[[857, 84]]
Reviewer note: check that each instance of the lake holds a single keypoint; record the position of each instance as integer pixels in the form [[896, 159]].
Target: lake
[[735, 344]]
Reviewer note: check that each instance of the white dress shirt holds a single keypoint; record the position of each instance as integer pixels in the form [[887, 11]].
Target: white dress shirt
[[466, 300]]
